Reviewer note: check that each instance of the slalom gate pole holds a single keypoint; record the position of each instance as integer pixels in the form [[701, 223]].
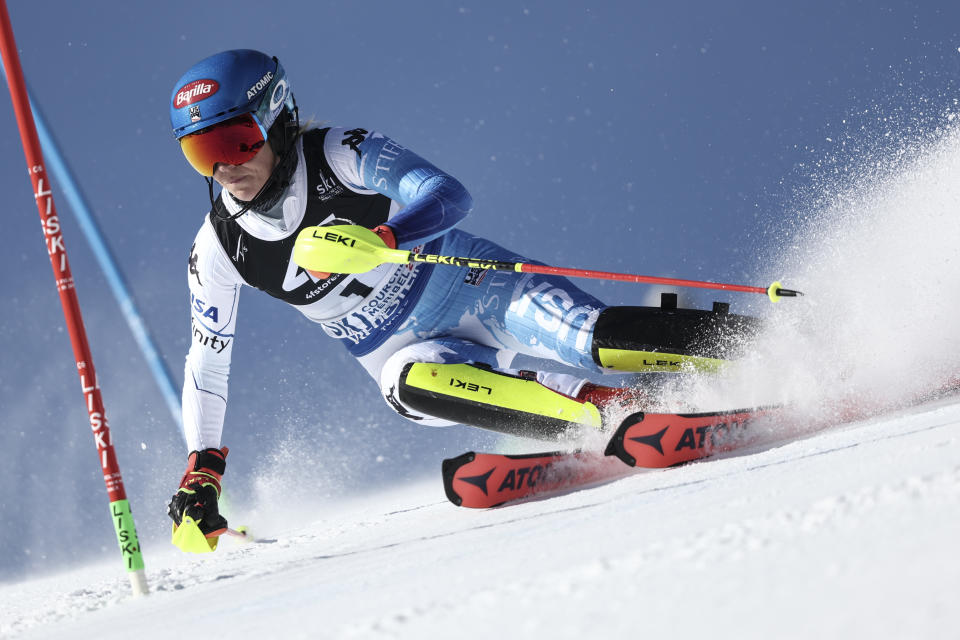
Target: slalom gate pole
[[119, 505]]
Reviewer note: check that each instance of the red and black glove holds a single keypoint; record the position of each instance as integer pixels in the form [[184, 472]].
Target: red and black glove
[[386, 234], [200, 490]]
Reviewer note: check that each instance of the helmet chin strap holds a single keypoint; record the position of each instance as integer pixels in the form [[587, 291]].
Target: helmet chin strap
[[220, 210], [280, 176], [275, 179]]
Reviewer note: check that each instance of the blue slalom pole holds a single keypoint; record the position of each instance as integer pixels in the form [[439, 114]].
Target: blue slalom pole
[[88, 224]]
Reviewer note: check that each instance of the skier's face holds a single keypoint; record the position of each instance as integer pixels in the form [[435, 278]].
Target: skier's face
[[244, 181]]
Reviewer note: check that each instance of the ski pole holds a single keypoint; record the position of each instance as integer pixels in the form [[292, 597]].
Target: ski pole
[[43, 195], [355, 249]]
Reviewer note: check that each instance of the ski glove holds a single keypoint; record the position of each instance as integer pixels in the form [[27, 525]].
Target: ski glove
[[199, 491], [386, 234]]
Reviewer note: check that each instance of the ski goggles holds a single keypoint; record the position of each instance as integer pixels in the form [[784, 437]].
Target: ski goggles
[[233, 141]]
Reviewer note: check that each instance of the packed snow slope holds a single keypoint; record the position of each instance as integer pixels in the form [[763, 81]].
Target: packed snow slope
[[846, 533]]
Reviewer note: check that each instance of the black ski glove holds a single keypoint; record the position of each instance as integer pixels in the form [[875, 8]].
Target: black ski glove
[[199, 491]]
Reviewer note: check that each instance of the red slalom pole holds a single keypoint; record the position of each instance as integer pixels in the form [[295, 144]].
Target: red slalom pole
[[119, 505]]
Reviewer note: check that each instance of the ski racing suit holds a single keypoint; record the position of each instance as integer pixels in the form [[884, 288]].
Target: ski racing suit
[[395, 316]]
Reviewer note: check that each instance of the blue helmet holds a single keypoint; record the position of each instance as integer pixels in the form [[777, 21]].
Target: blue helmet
[[236, 83], [229, 84]]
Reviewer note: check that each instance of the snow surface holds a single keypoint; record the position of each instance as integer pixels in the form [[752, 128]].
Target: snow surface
[[850, 532]]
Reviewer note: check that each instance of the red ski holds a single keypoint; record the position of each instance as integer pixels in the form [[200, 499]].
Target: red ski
[[648, 440], [481, 480], [656, 440], [652, 440]]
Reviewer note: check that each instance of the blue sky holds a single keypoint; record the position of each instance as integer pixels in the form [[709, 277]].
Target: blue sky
[[677, 140]]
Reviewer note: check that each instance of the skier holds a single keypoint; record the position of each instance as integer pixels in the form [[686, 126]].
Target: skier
[[437, 340]]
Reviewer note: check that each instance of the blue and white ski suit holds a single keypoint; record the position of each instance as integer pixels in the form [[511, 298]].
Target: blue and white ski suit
[[393, 314]]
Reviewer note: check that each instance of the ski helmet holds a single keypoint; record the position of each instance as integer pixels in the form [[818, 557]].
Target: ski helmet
[[241, 84]]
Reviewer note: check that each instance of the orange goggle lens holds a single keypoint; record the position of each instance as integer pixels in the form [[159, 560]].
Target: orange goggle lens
[[234, 141]]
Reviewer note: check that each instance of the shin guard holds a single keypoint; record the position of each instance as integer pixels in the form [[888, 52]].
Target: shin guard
[[668, 339], [481, 397]]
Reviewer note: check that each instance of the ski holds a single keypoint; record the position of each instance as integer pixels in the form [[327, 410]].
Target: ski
[[649, 440], [657, 440], [483, 480]]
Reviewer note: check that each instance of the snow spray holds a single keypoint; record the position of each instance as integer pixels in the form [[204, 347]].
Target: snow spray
[[873, 243]]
